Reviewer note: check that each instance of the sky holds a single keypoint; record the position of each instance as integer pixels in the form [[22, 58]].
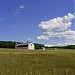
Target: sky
[[49, 22]]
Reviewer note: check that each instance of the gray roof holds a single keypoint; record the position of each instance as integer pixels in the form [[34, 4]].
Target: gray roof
[[26, 43]]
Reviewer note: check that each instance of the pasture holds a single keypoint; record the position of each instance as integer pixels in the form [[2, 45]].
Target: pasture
[[37, 62]]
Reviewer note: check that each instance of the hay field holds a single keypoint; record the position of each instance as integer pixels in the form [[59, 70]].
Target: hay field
[[37, 62]]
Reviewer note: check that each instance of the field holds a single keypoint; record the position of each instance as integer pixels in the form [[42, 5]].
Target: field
[[37, 62]]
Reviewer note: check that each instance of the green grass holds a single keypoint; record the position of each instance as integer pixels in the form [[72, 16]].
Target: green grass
[[37, 62]]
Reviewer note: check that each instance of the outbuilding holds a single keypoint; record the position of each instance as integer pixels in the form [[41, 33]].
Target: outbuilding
[[27, 45], [43, 48]]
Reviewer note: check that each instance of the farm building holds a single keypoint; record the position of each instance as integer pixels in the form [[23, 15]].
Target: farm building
[[43, 48], [27, 45]]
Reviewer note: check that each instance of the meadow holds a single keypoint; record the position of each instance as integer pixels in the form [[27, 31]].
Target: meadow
[[37, 62]]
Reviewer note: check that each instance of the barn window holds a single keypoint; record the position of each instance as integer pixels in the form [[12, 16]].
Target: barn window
[[31, 44]]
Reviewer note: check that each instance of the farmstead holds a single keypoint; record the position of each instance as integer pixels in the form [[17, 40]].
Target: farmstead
[[27, 45]]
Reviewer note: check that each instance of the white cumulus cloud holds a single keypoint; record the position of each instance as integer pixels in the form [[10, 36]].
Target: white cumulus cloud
[[42, 37], [59, 23], [58, 27]]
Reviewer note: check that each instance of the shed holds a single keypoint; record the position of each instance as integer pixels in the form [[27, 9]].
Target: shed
[[43, 48]]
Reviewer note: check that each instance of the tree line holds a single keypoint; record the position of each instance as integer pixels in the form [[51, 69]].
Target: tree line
[[62, 47], [7, 44], [11, 44]]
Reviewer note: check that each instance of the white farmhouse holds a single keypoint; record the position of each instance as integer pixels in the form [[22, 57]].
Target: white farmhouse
[[27, 45]]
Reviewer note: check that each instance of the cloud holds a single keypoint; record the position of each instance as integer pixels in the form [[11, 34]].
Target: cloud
[[42, 37], [62, 34], [59, 23], [18, 10], [58, 27], [1, 19], [29, 39], [21, 6], [56, 44]]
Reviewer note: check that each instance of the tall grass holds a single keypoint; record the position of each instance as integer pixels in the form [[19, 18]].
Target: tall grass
[[23, 62]]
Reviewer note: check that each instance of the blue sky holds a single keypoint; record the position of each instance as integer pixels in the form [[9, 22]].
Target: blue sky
[[21, 19]]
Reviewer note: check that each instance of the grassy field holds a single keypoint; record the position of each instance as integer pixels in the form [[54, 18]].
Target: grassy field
[[37, 62]]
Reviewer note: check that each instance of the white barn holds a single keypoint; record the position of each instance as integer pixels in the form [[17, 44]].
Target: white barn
[[28, 45]]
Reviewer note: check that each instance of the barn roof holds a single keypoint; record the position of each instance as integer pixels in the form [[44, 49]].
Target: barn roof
[[26, 43]]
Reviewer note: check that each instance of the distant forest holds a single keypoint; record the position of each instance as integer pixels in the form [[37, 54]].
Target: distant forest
[[7, 44], [11, 44], [62, 47]]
